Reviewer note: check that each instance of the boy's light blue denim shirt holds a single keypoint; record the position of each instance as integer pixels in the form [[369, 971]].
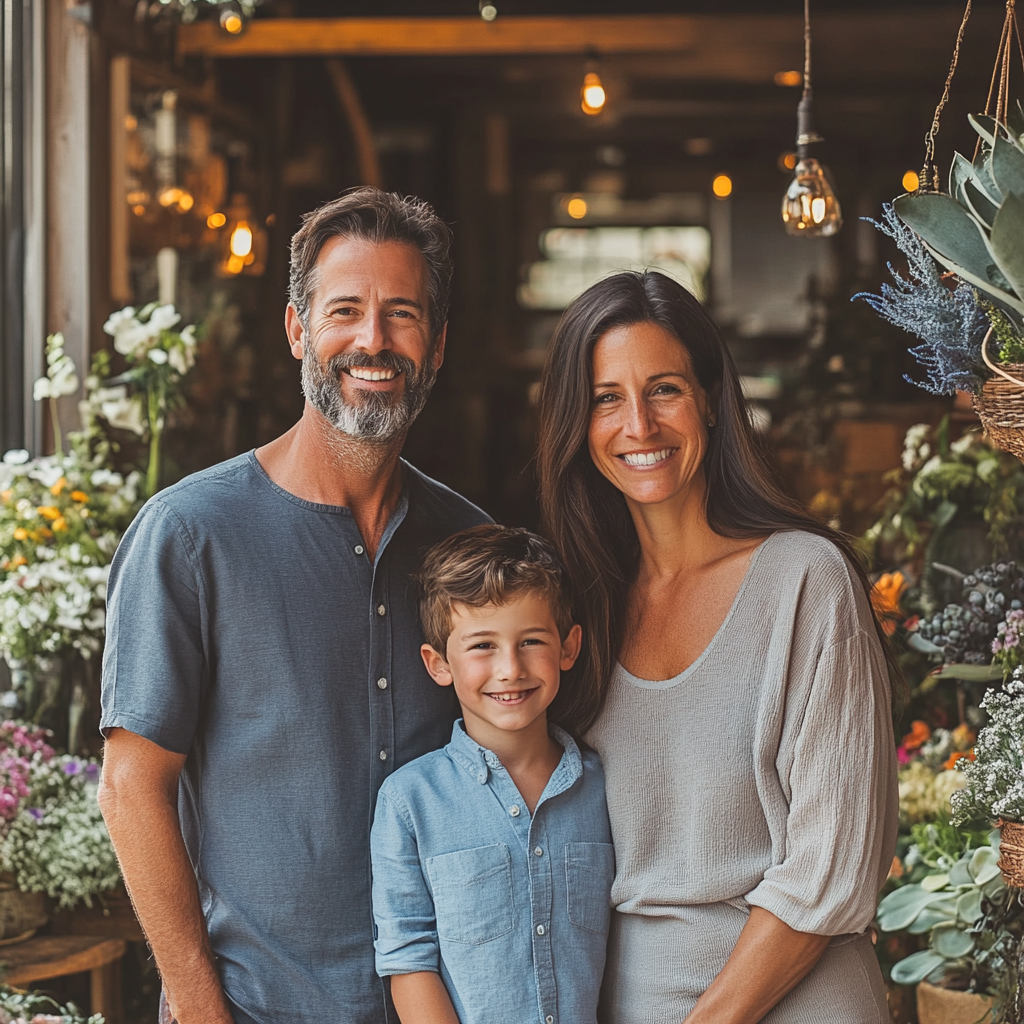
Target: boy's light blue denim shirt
[[511, 908]]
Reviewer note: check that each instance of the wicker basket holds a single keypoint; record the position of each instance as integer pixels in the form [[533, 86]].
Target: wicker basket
[[1011, 853], [943, 1006], [1000, 406]]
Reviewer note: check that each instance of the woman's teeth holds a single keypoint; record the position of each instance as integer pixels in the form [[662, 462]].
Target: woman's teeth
[[646, 458], [366, 373]]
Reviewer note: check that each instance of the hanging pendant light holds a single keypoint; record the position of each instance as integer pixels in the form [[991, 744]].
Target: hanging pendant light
[[809, 207], [592, 93]]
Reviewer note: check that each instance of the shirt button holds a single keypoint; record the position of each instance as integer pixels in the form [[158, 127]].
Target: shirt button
[[540, 929], [382, 683], [514, 810], [381, 610], [549, 1019], [358, 549], [383, 755], [538, 851]]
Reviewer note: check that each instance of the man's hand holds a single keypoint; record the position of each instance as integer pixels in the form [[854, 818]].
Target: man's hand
[[139, 799], [421, 998]]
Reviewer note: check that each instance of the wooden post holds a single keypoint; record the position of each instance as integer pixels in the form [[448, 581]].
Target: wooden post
[[120, 91]]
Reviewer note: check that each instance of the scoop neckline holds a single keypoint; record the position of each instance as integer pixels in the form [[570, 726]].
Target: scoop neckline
[[665, 684]]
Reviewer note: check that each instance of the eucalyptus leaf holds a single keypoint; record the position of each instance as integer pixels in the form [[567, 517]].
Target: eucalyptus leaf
[[984, 125], [985, 865], [968, 906], [986, 285], [951, 942], [960, 171], [933, 883], [916, 967], [947, 227], [1008, 241], [978, 203], [928, 919], [1007, 166], [902, 906], [959, 874], [971, 673]]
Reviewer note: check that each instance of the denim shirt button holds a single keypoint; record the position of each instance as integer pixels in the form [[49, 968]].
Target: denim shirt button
[[549, 1019], [538, 851], [514, 810], [540, 929]]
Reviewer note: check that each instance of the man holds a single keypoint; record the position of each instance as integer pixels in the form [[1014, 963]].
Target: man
[[262, 673]]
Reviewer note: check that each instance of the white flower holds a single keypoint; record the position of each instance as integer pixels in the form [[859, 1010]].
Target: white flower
[[116, 321], [182, 359], [188, 336], [16, 457], [124, 413], [158, 356], [163, 318], [132, 339]]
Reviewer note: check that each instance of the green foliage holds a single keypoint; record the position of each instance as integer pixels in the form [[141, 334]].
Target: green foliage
[[1009, 344], [24, 1006]]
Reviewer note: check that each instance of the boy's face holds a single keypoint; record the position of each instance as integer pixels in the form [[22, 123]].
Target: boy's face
[[504, 661]]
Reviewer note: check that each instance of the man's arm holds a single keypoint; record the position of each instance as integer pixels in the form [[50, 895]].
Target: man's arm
[[421, 998], [139, 799]]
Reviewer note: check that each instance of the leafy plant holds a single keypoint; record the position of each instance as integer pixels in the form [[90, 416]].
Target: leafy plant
[[18, 1007], [977, 230], [972, 922]]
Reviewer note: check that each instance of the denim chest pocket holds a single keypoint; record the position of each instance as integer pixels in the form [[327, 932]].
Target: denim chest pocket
[[589, 873], [472, 894]]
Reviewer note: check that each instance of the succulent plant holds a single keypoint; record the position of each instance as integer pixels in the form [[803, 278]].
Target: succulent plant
[[977, 229]]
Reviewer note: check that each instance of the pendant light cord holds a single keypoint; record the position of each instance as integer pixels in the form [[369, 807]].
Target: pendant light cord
[[929, 177], [805, 133], [807, 49]]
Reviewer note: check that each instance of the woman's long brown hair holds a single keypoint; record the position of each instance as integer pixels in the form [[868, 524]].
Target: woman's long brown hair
[[586, 516]]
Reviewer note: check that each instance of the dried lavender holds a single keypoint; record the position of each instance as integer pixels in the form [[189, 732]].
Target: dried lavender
[[950, 322]]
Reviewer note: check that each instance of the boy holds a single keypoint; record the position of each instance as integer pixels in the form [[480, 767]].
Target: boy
[[492, 858]]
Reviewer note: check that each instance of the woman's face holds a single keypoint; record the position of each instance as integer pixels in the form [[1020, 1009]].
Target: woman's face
[[649, 418]]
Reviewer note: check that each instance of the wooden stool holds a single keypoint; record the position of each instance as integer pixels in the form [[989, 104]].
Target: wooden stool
[[55, 956]]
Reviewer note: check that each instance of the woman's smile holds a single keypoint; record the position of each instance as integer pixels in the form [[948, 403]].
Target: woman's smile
[[647, 460]]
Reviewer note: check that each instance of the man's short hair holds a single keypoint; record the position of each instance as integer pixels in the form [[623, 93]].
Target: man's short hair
[[484, 565], [375, 216]]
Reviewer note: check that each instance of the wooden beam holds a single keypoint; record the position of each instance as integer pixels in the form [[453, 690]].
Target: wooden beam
[[432, 37]]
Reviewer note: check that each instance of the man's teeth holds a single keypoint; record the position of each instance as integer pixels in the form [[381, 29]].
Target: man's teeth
[[367, 373], [647, 458]]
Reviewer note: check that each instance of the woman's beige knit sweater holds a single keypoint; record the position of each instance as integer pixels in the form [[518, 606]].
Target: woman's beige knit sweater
[[762, 775]]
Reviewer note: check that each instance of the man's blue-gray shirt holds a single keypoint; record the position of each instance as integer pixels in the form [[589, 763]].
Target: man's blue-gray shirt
[[510, 908], [250, 630]]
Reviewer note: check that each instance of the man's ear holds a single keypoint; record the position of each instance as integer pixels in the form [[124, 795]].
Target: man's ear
[[436, 666], [439, 347], [571, 647], [293, 328]]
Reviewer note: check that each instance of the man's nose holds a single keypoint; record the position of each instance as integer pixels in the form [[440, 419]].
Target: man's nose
[[371, 337]]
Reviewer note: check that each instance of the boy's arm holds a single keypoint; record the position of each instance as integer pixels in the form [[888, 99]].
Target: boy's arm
[[421, 998]]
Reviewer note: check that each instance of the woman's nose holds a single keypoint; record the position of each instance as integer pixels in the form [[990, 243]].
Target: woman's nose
[[639, 421]]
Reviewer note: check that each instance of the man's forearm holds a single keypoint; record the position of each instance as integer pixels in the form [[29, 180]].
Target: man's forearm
[[769, 960], [421, 998], [144, 829]]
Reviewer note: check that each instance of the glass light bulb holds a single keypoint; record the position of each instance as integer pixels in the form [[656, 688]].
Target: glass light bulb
[[241, 240], [809, 206], [593, 95]]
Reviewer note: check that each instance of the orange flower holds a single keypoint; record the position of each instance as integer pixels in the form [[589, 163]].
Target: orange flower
[[958, 755], [59, 486], [896, 868], [60, 524], [20, 533], [5, 496], [49, 511], [18, 560], [885, 599], [964, 736], [919, 735], [80, 496]]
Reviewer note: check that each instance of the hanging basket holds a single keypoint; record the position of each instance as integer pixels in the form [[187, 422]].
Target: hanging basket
[[1011, 853], [1000, 405]]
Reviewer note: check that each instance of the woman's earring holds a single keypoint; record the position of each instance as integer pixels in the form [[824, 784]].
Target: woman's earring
[[711, 424]]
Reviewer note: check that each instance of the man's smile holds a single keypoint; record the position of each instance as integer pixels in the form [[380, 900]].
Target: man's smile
[[371, 373]]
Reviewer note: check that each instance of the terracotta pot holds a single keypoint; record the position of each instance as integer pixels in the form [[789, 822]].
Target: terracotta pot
[[21, 913], [944, 1006]]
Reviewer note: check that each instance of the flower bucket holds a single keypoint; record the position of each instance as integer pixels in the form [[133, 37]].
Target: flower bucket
[[21, 913], [1011, 853], [945, 1006], [1000, 405]]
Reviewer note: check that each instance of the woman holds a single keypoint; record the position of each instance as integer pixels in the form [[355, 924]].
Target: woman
[[734, 680]]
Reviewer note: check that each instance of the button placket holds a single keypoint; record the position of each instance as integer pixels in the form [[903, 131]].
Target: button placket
[[381, 705], [541, 907]]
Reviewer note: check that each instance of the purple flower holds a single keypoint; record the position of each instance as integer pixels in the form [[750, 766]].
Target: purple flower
[[36, 813], [72, 768], [92, 772]]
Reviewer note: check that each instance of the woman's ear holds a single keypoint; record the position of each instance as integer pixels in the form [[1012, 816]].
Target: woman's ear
[[436, 666], [571, 647]]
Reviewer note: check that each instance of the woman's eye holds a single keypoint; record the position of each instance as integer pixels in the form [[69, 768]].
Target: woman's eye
[[666, 389], [605, 399]]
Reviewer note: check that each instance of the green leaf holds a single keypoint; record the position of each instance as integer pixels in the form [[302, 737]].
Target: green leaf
[[916, 967], [959, 172], [970, 673], [944, 514], [1008, 241], [902, 906], [1007, 168], [985, 865], [982, 208], [918, 643], [1015, 120], [959, 874], [984, 125], [928, 919], [933, 883], [968, 906], [999, 294], [946, 226], [951, 942]]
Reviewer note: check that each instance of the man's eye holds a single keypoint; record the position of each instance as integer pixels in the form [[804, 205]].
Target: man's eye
[[343, 310], [404, 313]]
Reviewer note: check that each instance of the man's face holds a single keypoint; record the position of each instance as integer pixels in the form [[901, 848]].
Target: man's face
[[368, 358]]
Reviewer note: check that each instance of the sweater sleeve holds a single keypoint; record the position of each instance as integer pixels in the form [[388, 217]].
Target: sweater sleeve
[[841, 781]]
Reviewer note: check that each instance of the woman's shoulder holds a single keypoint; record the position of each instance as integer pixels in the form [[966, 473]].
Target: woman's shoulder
[[801, 550]]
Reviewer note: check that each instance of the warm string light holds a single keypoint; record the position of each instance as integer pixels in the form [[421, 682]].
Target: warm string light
[[488, 10], [722, 186], [810, 207], [592, 95]]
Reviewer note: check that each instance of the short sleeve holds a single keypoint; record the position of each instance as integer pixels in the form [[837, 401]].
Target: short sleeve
[[154, 667], [841, 826], [403, 910]]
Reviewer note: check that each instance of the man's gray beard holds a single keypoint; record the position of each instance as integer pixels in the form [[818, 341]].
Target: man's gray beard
[[375, 417]]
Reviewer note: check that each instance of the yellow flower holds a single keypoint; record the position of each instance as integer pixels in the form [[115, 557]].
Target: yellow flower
[[59, 486], [20, 533], [80, 496], [18, 560], [49, 511], [60, 523], [5, 496]]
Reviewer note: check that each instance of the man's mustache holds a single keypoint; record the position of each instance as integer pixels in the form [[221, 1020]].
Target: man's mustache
[[385, 360]]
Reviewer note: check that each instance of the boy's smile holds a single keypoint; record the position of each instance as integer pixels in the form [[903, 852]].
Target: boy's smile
[[505, 662]]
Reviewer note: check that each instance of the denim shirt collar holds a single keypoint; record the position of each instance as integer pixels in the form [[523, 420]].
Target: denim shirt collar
[[481, 763]]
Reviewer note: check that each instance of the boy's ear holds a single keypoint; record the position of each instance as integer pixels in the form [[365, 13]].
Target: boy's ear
[[571, 647], [436, 666]]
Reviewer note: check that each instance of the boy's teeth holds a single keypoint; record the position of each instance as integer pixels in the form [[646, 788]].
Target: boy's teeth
[[506, 696], [367, 373], [646, 458]]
